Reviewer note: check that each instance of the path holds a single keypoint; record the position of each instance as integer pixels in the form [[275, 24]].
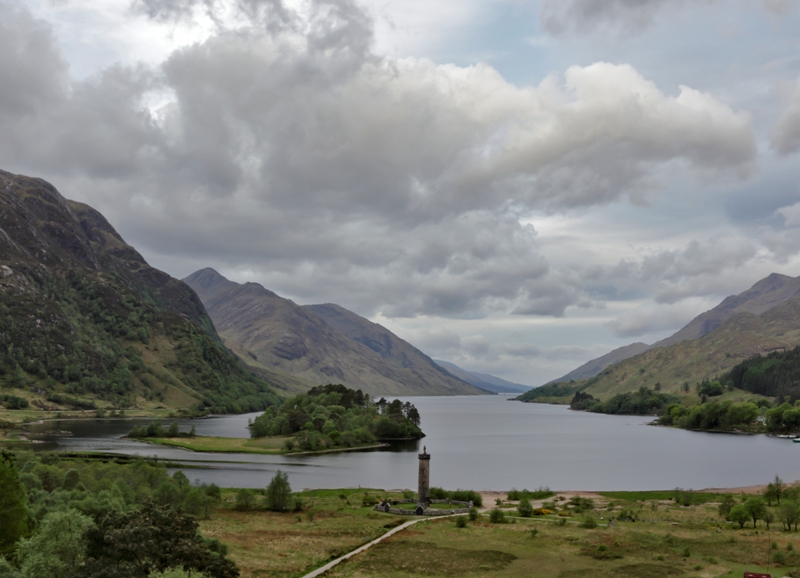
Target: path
[[321, 570]]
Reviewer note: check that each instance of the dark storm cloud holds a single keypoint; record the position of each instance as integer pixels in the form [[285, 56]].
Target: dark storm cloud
[[559, 16], [295, 154]]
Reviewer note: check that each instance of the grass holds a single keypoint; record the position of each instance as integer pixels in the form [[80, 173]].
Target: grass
[[268, 445], [268, 544], [271, 445]]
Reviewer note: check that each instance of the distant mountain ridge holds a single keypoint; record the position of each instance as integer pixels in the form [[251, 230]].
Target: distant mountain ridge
[[764, 295], [318, 344], [484, 380]]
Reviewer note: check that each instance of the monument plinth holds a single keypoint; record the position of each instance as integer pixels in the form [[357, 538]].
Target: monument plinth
[[424, 482]]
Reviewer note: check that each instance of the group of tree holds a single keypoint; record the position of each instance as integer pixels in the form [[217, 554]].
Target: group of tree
[[777, 503], [88, 519], [717, 415], [155, 430], [644, 401], [336, 416], [774, 375]]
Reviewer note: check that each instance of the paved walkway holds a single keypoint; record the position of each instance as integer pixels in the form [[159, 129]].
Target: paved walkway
[[321, 570]]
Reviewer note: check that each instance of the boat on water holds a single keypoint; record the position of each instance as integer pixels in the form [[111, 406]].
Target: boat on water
[[796, 440]]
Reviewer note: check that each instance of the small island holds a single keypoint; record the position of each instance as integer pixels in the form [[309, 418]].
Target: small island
[[329, 418]]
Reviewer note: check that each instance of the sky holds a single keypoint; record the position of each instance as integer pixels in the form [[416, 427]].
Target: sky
[[515, 187]]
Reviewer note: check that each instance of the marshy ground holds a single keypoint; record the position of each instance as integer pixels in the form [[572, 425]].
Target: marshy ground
[[666, 539]]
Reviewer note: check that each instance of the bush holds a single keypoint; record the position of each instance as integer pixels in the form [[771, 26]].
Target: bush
[[497, 516], [473, 514], [525, 509], [461, 522], [588, 522], [245, 499]]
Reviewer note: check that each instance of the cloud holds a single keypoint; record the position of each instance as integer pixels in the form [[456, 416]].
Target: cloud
[[785, 134], [560, 16], [652, 318], [295, 154]]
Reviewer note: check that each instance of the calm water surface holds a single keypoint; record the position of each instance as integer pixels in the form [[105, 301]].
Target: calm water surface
[[482, 442]]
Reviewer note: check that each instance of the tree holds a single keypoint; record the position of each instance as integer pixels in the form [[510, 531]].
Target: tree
[[778, 484], [768, 518], [151, 539], [525, 509], [13, 505], [279, 493], [58, 549], [739, 515], [789, 514], [725, 506], [756, 507], [770, 493]]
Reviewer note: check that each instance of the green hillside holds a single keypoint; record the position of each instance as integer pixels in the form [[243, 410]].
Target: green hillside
[[85, 322], [740, 338]]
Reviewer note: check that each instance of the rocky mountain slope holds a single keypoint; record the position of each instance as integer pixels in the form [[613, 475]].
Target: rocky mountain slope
[[85, 321], [484, 380], [761, 297], [742, 336], [318, 343]]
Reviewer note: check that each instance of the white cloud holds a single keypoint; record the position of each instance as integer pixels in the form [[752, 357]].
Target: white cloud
[[288, 149], [652, 318]]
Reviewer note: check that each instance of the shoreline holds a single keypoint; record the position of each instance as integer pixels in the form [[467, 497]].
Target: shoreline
[[256, 451]]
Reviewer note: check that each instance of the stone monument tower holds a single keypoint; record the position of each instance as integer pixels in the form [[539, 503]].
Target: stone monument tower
[[424, 498]]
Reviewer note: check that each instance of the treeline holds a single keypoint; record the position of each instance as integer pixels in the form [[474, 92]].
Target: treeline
[[336, 416], [88, 519], [642, 402], [717, 415], [774, 375]]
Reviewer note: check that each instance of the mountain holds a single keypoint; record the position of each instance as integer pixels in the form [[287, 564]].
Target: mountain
[[85, 321], [484, 380], [318, 344], [741, 337], [595, 366], [761, 297]]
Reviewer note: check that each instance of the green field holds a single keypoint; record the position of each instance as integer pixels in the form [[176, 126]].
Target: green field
[[666, 540], [268, 445]]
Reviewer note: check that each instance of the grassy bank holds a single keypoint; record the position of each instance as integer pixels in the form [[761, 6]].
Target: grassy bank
[[269, 445]]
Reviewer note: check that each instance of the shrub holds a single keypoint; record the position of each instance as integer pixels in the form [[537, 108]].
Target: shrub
[[473, 514], [525, 509], [461, 522], [497, 516], [588, 522], [245, 499]]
